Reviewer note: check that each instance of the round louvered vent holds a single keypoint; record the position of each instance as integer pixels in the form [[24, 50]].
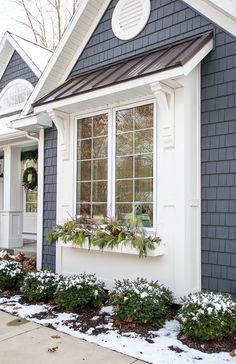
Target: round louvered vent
[[130, 17]]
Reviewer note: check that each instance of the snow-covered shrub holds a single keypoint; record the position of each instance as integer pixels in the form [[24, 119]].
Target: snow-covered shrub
[[40, 285], [140, 301], [11, 274], [208, 315], [80, 290]]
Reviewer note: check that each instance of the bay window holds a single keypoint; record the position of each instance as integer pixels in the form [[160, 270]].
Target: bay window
[[120, 147]]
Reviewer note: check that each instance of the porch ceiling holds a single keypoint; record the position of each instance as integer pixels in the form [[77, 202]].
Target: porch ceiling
[[163, 59]]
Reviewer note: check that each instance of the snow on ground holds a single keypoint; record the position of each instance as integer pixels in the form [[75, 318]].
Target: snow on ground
[[155, 352]]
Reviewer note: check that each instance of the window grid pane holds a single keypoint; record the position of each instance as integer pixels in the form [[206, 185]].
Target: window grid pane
[[92, 160], [134, 165]]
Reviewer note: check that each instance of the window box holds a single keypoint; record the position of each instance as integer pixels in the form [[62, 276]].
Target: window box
[[160, 249]]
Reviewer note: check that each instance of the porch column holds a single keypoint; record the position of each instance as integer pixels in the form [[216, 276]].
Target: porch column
[[11, 216]]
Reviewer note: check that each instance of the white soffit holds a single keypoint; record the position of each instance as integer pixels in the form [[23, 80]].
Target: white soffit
[[221, 12], [31, 123], [70, 47], [120, 92]]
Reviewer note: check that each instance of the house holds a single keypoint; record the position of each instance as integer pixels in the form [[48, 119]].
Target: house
[[21, 65], [142, 99]]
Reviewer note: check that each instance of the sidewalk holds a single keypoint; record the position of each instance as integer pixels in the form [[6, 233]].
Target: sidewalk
[[25, 342]]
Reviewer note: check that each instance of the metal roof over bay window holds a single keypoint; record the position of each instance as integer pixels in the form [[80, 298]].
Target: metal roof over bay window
[[169, 62]]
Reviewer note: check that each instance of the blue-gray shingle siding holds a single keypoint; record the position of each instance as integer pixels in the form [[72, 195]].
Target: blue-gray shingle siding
[[50, 191], [171, 21], [17, 68]]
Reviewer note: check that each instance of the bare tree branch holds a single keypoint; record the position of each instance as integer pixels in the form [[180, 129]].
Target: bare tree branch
[[46, 19]]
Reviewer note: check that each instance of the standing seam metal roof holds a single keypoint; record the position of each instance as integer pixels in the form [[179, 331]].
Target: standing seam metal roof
[[161, 59]]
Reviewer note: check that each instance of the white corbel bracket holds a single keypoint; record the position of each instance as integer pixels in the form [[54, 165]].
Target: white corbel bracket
[[165, 99], [62, 122]]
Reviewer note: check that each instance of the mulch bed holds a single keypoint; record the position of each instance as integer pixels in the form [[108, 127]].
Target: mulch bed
[[227, 344], [91, 318]]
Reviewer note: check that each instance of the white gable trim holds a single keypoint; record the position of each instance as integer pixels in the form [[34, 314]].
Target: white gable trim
[[7, 47], [6, 52], [220, 14], [69, 48], [81, 29]]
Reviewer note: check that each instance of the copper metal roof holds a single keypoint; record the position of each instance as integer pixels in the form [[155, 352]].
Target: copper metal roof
[[161, 59]]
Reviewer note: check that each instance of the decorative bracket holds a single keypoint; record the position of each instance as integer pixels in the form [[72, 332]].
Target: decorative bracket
[[165, 99], [62, 122]]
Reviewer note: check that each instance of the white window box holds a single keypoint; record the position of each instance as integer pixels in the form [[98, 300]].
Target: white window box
[[159, 250]]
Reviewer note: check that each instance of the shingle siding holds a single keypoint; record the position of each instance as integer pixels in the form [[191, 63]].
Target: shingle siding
[[50, 191], [17, 68], [219, 166], [172, 21]]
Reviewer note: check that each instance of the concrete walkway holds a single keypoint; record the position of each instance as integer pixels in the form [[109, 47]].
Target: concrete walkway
[[25, 342]]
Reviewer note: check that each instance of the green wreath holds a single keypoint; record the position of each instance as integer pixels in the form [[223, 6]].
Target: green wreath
[[30, 178]]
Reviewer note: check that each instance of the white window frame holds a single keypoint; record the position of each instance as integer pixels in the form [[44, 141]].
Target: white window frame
[[111, 112]]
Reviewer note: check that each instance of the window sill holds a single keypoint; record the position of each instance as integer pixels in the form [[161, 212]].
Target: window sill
[[158, 251]]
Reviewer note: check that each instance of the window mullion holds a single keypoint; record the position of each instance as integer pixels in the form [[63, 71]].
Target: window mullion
[[110, 169], [133, 202]]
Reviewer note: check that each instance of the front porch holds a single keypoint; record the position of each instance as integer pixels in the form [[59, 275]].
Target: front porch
[[18, 206]]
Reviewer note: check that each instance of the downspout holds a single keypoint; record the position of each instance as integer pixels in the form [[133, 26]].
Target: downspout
[[31, 137]]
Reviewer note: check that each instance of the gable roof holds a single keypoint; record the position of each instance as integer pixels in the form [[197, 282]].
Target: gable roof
[[81, 28], [35, 56]]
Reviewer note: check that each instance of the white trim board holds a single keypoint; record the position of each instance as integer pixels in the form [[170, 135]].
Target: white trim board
[[70, 47], [219, 12], [178, 203], [40, 199], [80, 30], [7, 47], [131, 85]]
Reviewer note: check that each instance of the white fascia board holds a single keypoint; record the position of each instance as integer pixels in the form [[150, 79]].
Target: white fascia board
[[6, 52], [190, 65], [132, 84], [49, 79], [227, 6], [215, 14], [106, 91], [31, 123], [7, 138], [23, 55]]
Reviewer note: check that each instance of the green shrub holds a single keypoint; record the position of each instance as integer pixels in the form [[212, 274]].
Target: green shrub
[[140, 301], [207, 315], [79, 291], [40, 285], [11, 274]]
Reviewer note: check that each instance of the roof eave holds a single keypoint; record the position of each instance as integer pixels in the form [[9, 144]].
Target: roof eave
[[56, 71], [216, 14]]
